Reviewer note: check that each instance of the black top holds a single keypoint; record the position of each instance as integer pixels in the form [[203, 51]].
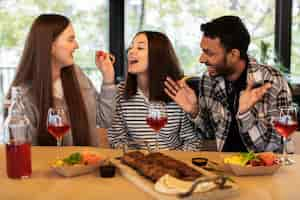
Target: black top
[[234, 142]]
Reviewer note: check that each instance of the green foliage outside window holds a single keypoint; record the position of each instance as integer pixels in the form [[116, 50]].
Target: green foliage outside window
[[89, 18], [181, 20]]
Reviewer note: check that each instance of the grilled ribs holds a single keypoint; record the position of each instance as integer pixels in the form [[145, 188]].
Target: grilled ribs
[[155, 165]]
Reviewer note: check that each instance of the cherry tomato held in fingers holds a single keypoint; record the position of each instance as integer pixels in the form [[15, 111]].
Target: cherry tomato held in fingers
[[101, 53]]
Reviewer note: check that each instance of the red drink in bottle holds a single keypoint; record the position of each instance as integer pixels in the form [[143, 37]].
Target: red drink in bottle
[[18, 160], [17, 138]]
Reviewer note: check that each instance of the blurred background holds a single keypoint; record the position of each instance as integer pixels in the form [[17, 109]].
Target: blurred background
[[110, 25]]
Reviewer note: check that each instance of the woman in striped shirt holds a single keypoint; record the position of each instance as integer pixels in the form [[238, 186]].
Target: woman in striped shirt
[[151, 58]]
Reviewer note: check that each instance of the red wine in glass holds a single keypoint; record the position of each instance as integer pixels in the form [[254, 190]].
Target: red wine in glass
[[58, 131], [285, 129], [157, 118], [286, 124], [157, 123], [57, 123]]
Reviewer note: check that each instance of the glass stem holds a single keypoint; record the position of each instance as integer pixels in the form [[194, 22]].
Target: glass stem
[[58, 143], [284, 153], [157, 137]]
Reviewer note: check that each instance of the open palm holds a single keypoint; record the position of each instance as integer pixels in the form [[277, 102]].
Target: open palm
[[251, 96], [182, 94]]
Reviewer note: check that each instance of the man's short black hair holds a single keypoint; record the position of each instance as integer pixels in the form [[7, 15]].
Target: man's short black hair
[[231, 31]]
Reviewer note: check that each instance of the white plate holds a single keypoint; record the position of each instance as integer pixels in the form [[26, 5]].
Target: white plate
[[75, 170], [252, 171]]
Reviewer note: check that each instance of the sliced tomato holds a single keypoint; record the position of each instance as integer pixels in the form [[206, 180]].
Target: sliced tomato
[[90, 158], [268, 157]]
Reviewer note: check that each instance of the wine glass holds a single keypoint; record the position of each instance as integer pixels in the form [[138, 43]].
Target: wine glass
[[285, 125], [157, 118], [57, 124]]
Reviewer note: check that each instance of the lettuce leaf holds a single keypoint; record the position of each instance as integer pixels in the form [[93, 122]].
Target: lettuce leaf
[[74, 158]]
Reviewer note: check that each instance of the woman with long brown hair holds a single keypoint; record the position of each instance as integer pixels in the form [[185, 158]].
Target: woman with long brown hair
[[151, 58], [49, 78]]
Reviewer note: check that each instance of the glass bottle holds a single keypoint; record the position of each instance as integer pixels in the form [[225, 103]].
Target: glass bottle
[[17, 138]]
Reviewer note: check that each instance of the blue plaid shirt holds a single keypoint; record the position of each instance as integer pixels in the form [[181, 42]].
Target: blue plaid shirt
[[255, 125]]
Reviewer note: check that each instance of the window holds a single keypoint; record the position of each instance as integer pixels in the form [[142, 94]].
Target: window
[[295, 60], [181, 20], [89, 18]]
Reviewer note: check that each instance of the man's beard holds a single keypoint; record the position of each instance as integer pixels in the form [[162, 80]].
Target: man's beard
[[222, 69]]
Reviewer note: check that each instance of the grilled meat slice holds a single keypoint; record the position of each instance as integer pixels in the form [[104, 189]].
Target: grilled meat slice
[[132, 158], [185, 172], [155, 165]]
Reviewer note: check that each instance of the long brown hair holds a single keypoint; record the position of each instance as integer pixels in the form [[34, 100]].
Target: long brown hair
[[162, 62], [35, 69]]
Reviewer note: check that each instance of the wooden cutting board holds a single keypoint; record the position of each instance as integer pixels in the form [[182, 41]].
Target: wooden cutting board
[[148, 186]]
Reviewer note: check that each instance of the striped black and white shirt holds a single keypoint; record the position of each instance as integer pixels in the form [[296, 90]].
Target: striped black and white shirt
[[129, 125]]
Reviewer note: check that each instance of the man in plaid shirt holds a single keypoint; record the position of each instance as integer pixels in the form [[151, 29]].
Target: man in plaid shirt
[[231, 106]]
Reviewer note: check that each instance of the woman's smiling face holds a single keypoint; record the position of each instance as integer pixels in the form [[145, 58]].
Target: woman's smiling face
[[138, 55]]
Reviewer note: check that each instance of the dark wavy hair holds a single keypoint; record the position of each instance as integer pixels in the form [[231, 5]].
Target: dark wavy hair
[[162, 62]]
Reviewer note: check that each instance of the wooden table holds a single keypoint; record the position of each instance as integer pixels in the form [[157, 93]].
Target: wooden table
[[45, 184]]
